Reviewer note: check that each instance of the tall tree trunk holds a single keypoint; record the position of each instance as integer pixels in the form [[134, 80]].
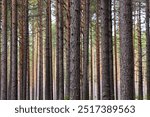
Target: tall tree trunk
[[115, 49], [111, 54], [48, 48], [61, 63], [4, 51], [33, 54], [9, 82], [105, 51], [148, 49], [91, 38], [40, 4], [21, 32], [140, 75], [57, 51], [86, 51], [75, 50], [127, 63], [14, 51], [98, 49], [25, 51], [67, 92]]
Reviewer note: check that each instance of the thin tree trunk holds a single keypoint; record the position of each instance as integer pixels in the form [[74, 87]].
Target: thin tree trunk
[[91, 38], [40, 4], [33, 54], [148, 49], [98, 49], [67, 92], [61, 63], [86, 51], [111, 54], [115, 49], [14, 51], [4, 52], [57, 51], [140, 75], [25, 52], [48, 47]]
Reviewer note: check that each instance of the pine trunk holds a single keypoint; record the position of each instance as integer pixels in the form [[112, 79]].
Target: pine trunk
[[127, 62]]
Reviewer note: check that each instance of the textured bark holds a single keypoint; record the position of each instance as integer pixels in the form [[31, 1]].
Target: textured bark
[[105, 50], [40, 5], [48, 48], [25, 52], [4, 51], [91, 38], [147, 50], [57, 51], [21, 32], [127, 63], [111, 54], [14, 51], [61, 63], [86, 52], [98, 49], [33, 60], [140, 75], [9, 81], [115, 51], [75, 50], [67, 91]]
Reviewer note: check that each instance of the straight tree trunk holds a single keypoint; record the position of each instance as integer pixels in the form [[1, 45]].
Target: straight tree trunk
[[61, 63], [33, 54], [86, 51], [147, 50], [4, 52], [67, 92], [75, 50], [25, 52], [40, 4], [91, 38], [98, 49], [105, 50], [14, 51], [140, 75], [9, 82], [115, 49], [48, 47], [111, 54], [21, 32], [57, 51], [127, 62]]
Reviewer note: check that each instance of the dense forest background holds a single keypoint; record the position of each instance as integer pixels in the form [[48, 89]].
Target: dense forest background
[[74, 49]]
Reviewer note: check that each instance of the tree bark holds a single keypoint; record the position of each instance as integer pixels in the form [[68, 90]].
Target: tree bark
[[140, 75], [105, 50], [111, 54], [86, 51], [98, 49], [48, 48], [127, 62], [115, 49], [67, 92], [75, 50], [4, 52], [61, 63], [148, 49], [40, 4], [14, 51]]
